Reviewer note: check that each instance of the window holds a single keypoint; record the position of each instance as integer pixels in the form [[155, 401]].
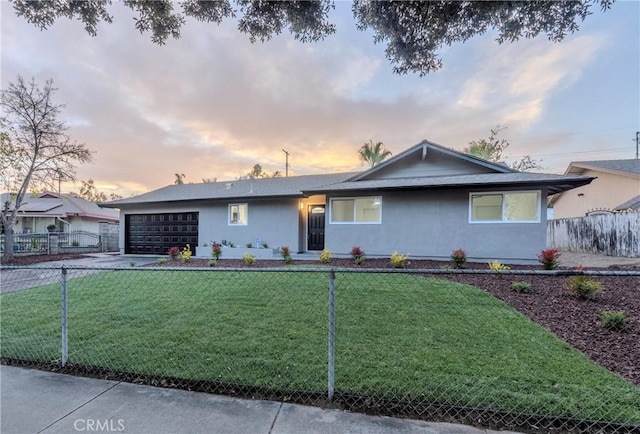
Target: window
[[238, 213], [516, 207], [365, 210]]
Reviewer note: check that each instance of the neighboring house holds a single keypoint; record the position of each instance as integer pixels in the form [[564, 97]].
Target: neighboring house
[[617, 188], [66, 211], [425, 201]]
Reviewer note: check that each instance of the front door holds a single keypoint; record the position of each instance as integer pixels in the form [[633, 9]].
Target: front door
[[315, 227]]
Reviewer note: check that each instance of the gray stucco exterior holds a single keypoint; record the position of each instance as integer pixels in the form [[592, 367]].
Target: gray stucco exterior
[[434, 223]]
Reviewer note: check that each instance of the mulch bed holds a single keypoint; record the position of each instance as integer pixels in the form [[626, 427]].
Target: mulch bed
[[549, 304], [37, 259]]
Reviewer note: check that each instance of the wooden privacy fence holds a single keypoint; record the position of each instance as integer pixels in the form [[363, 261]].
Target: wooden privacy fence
[[611, 234]]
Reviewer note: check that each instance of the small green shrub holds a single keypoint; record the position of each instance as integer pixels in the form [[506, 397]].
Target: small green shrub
[[161, 261], [249, 259], [265, 245], [249, 245], [399, 261], [523, 287], [614, 320], [358, 255], [326, 256], [185, 254], [459, 258], [285, 252], [132, 263], [497, 266], [549, 259], [216, 251], [584, 287], [213, 262], [174, 252]]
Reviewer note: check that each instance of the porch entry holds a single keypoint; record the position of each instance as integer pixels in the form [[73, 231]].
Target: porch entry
[[315, 227]]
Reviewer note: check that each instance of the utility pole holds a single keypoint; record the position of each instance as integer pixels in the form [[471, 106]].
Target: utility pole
[[637, 144], [286, 164]]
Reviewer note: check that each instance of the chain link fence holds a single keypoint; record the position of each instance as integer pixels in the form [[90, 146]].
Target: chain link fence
[[393, 342]]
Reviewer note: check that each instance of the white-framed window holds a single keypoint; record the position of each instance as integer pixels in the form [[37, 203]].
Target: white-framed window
[[238, 214], [356, 210], [504, 207]]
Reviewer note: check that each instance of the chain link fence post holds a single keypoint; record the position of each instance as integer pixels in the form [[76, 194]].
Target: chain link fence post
[[65, 335], [332, 334]]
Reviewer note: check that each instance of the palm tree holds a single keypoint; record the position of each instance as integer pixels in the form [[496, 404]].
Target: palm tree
[[373, 154], [179, 178]]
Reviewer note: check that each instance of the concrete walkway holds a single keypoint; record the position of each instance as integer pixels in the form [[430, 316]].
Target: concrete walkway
[[35, 401]]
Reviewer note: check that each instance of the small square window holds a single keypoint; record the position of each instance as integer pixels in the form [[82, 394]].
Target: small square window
[[238, 214]]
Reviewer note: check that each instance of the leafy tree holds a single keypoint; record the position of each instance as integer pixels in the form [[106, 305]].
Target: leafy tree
[[89, 192], [179, 179], [492, 149], [373, 154], [414, 31], [35, 148], [257, 172]]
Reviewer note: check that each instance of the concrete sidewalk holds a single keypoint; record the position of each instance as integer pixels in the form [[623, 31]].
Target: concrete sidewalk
[[33, 401]]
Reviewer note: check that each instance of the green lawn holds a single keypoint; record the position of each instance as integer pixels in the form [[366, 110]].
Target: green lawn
[[398, 336]]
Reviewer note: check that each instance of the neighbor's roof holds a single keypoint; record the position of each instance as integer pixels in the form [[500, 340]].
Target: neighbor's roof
[[633, 203], [555, 183], [630, 167], [62, 205], [263, 188]]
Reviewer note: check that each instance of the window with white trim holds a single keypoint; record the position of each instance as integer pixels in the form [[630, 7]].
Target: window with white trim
[[238, 213], [361, 210], [505, 207]]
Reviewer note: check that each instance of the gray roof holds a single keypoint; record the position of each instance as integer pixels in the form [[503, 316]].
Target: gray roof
[[556, 183], [633, 203], [62, 205], [624, 167], [264, 188]]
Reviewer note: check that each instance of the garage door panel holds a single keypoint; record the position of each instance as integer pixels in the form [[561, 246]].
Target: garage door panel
[[157, 233]]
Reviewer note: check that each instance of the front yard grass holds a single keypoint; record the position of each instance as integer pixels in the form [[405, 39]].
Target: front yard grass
[[398, 336]]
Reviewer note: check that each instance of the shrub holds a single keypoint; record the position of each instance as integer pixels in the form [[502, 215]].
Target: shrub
[[584, 286], [326, 256], [358, 255], [459, 258], [213, 262], [174, 252], [249, 245], [161, 261], [614, 320], [132, 263], [249, 259], [497, 266], [399, 261], [216, 251], [524, 287], [185, 254], [286, 254], [265, 245], [549, 259]]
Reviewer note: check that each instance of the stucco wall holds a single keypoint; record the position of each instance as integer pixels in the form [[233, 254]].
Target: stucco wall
[[608, 191], [432, 224], [274, 222]]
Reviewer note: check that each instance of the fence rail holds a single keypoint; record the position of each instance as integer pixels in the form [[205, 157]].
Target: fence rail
[[393, 342], [55, 242], [615, 234]]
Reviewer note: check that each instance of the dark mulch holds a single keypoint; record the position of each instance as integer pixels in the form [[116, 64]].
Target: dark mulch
[[36, 259], [549, 304]]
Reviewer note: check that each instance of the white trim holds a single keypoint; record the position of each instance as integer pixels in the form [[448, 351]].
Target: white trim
[[503, 220], [229, 222], [354, 222]]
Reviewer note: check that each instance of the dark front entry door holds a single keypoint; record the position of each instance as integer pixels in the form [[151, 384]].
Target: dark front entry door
[[316, 227]]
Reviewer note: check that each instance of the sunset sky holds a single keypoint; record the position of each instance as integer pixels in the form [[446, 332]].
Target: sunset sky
[[211, 104]]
